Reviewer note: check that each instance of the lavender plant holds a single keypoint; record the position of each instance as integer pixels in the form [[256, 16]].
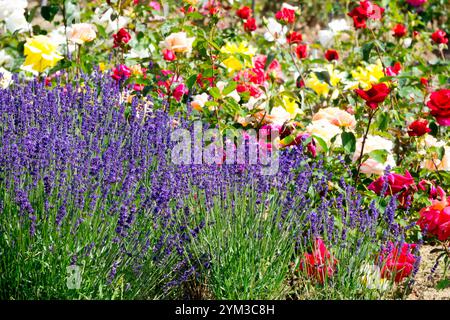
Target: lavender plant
[[87, 181]]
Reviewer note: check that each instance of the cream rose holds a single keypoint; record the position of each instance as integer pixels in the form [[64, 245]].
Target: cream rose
[[199, 101], [325, 130], [82, 32], [372, 166], [337, 117], [434, 163], [179, 42]]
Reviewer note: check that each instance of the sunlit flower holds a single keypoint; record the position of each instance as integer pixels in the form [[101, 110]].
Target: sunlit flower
[[82, 32], [325, 130], [276, 31], [5, 78], [320, 87], [40, 53], [199, 101], [241, 48], [372, 166], [179, 42], [369, 75], [336, 116]]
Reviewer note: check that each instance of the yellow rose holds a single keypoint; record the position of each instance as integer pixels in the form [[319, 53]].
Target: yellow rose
[[319, 87], [40, 53], [233, 64], [325, 130], [179, 42], [82, 32], [368, 75]]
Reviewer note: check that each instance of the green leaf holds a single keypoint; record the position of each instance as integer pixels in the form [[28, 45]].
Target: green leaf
[[49, 12], [229, 88], [366, 49], [321, 143], [215, 93], [348, 142], [191, 81], [383, 121], [323, 76], [442, 284], [379, 155]]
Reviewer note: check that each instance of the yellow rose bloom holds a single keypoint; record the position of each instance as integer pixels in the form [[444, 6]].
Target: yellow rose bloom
[[40, 53], [290, 105], [368, 75], [191, 2], [319, 87], [233, 64]]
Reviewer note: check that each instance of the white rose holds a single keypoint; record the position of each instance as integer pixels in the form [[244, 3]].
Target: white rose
[[16, 22], [5, 78], [8, 7], [338, 25], [276, 32], [326, 38]]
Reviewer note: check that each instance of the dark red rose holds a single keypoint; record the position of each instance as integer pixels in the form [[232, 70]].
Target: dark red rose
[[285, 15], [244, 12], [439, 105], [301, 51], [439, 36], [294, 37], [375, 95], [331, 55], [250, 25], [399, 30], [418, 128], [121, 37]]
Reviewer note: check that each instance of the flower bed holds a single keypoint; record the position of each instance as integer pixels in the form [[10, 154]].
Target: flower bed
[[231, 153]]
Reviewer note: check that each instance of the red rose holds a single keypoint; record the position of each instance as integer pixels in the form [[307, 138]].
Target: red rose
[[398, 263], [439, 105], [121, 72], [439, 36], [285, 15], [319, 264], [169, 55], [424, 81], [399, 30], [294, 37], [364, 11], [375, 95], [250, 25], [331, 55], [244, 12], [301, 51], [435, 219], [120, 38], [394, 70], [418, 128]]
